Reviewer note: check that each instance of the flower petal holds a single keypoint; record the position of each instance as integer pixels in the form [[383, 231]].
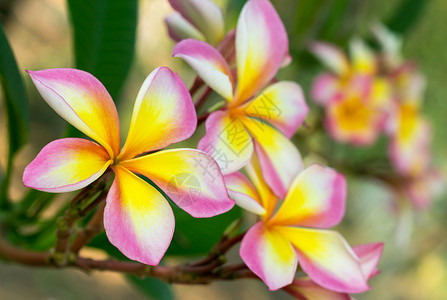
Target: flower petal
[[280, 160], [409, 147], [351, 119], [180, 29], [191, 178], [137, 218], [243, 192], [369, 255], [163, 114], [281, 104], [305, 288], [363, 60], [315, 199], [205, 15], [83, 101], [66, 165], [332, 57], [269, 255], [328, 260], [227, 141], [268, 198], [325, 88], [261, 45], [209, 65], [391, 44]]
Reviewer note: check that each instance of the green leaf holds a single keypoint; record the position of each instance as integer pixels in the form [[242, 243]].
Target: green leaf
[[194, 236], [406, 15], [336, 19], [16, 108], [152, 287], [104, 39]]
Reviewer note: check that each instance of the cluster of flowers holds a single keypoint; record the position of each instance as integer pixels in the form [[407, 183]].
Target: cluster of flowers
[[250, 132], [372, 93]]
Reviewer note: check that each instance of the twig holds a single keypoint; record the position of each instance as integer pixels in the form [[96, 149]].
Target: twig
[[75, 211], [198, 82], [18, 255], [202, 118], [93, 228], [219, 249], [203, 98], [171, 274]]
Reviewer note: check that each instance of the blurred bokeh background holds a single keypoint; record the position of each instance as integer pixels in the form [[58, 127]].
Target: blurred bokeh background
[[414, 263]]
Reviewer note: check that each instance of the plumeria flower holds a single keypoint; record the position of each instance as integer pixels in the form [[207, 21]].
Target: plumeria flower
[[409, 131], [138, 220], [197, 19], [306, 289], [258, 116], [410, 142], [344, 71], [296, 232], [357, 114], [355, 99]]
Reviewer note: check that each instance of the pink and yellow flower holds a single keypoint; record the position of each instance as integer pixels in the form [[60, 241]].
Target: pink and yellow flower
[[410, 142], [354, 97], [306, 289], [138, 220], [297, 231], [344, 71], [258, 116], [410, 132]]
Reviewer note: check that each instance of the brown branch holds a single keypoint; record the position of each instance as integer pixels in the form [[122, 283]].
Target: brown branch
[[203, 98], [93, 228], [21, 256], [63, 233], [222, 247], [74, 212], [202, 118], [171, 274], [198, 82]]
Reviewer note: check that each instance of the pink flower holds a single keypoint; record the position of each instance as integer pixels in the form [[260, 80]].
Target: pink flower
[[138, 219], [306, 289], [258, 116], [297, 231], [355, 99]]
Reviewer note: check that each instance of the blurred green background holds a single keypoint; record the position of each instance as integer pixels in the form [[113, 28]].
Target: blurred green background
[[414, 264]]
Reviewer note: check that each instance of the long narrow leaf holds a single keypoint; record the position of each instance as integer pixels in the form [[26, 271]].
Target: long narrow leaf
[[406, 15], [16, 109], [104, 39]]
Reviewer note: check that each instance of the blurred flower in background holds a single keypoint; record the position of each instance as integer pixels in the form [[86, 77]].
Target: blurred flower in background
[[374, 93]]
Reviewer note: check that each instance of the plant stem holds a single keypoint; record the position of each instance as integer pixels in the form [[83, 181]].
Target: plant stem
[[219, 249], [198, 82], [93, 228], [203, 98], [77, 209], [172, 274]]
